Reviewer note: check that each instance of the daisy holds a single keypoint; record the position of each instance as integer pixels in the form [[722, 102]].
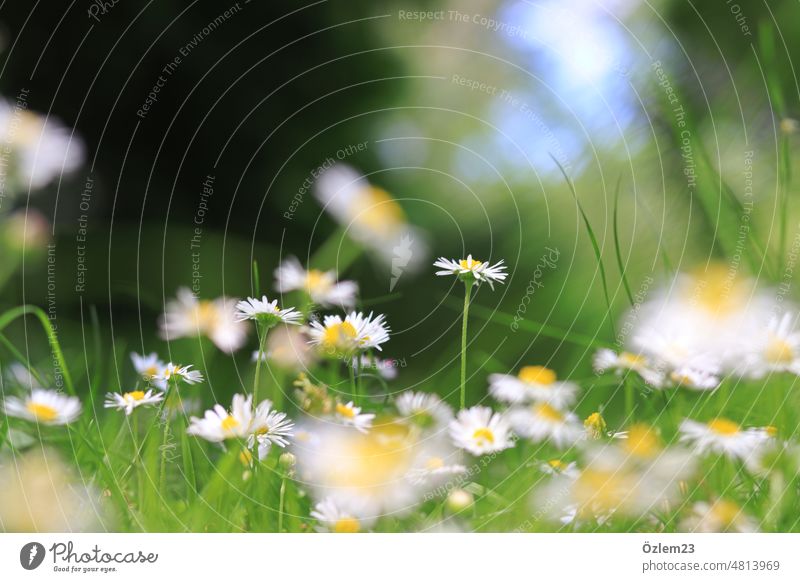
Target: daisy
[[356, 332], [148, 367], [44, 407], [533, 383], [481, 431], [218, 424], [287, 347], [541, 421], [723, 436], [265, 312], [333, 518], [426, 411], [130, 400], [694, 378], [188, 316], [350, 415], [606, 359], [432, 468], [42, 148], [320, 286], [719, 516], [595, 425], [177, 373], [471, 270], [776, 349], [559, 467], [371, 216], [269, 427]]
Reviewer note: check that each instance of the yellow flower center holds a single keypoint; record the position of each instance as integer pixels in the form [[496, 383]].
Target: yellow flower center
[[346, 411], [547, 412], [537, 375], [229, 423], [378, 211], [723, 426], [557, 464], [725, 511], [245, 457], [339, 334], [632, 360], [42, 411], [483, 436], [434, 463], [642, 441], [347, 525], [135, 396], [595, 424], [469, 264], [771, 431], [317, 280], [598, 491], [206, 315], [717, 291], [779, 352], [150, 372]]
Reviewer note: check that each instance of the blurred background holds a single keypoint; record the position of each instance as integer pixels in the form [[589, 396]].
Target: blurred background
[[151, 121]]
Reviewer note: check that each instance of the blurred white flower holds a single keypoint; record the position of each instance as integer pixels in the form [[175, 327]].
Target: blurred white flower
[[41, 493], [371, 215], [605, 360], [149, 367], [350, 415], [718, 516], [724, 437], [331, 517], [187, 316], [541, 421], [42, 148], [775, 349], [426, 411], [480, 431], [288, 348], [45, 407], [26, 229], [533, 383], [321, 286]]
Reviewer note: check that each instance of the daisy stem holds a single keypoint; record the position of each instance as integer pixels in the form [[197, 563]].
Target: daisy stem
[[630, 398], [262, 340], [353, 385], [281, 500], [467, 294], [162, 473]]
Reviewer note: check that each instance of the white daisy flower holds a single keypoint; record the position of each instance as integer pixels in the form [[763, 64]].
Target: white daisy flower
[[269, 427], [320, 286], [426, 411], [718, 516], [44, 407], [177, 373], [356, 332], [267, 312], [479, 430], [724, 437], [472, 270], [605, 359], [776, 349], [433, 468], [541, 421], [533, 383], [372, 217], [42, 148], [22, 376], [694, 378], [350, 415], [332, 517], [188, 316], [218, 424], [129, 400], [148, 367], [559, 467]]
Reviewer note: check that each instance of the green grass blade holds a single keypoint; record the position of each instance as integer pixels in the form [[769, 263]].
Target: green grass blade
[[620, 263]]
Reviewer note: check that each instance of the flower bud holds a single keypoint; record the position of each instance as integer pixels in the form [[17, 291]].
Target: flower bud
[[459, 500]]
